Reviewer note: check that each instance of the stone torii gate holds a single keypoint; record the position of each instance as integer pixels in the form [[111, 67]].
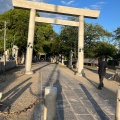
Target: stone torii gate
[[42, 7]]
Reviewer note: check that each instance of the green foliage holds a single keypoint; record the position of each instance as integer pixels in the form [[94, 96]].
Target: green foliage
[[69, 39], [46, 40], [101, 48], [95, 32], [117, 37], [17, 31], [104, 48], [92, 34], [117, 33], [17, 27], [44, 35]]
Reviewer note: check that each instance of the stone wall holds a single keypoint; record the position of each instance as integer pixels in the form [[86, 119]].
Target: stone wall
[[9, 65]]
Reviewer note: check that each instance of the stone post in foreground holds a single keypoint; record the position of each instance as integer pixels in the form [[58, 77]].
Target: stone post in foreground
[[50, 103]]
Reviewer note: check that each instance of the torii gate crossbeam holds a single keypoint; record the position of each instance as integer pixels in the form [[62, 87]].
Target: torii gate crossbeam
[[36, 6]]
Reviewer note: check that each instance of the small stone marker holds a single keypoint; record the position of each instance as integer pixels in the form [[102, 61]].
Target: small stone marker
[[0, 95], [118, 106], [50, 103]]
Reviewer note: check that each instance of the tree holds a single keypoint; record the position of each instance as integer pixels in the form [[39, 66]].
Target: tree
[[69, 38], [44, 36], [17, 31], [92, 34], [117, 36], [17, 27], [117, 33], [104, 48]]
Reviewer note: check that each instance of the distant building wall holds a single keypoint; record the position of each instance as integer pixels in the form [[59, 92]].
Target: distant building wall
[[90, 61]]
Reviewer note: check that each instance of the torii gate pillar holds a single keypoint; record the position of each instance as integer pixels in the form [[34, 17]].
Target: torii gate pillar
[[81, 45], [30, 42]]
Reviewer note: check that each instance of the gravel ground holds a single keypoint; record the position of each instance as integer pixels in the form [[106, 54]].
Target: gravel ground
[[19, 90]]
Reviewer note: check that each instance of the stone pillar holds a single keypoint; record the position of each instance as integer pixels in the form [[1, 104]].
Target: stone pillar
[[62, 60], [0, 96], [50, 103], [30, 42], [59, 60], [16, 55], [7, 55], [23, 58], [81, 45], [70, 59], [117, 116]]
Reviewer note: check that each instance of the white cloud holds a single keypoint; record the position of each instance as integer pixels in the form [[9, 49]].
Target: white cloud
[[63, 2], [70, 2], [101, 2], [54, 16], [97, 6], [67, 3], [76, 4], [5, 5]]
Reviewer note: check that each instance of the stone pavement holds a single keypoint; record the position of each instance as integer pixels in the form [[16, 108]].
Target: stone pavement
[[77, 98]]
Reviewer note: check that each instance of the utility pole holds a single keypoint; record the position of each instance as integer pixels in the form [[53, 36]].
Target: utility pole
[[4, 46], [5, 36]]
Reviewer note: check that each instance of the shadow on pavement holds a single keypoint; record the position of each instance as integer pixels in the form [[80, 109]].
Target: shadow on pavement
[[105, 93], [41, 67], [12, 95], [99, 111], [60, 110], [49, 82], [93, 83], [107, 76], [53, 79]]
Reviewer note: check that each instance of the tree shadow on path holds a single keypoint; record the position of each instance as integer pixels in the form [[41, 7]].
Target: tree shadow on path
[[12, 95], [98, 109], [107, 76], [105, 93], [60, 110]]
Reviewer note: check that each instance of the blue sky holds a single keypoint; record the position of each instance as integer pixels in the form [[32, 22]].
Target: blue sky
[[109, 11]]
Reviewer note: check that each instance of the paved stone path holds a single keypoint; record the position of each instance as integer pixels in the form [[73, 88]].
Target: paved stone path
[[77, 98], [76, 101]]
